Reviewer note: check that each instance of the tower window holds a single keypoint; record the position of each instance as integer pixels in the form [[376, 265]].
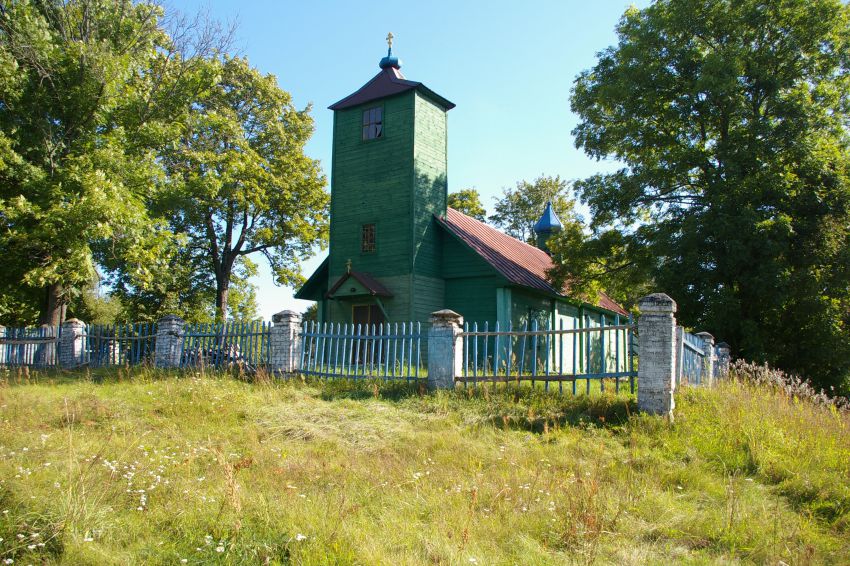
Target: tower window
[[367, 238], [373, 123]]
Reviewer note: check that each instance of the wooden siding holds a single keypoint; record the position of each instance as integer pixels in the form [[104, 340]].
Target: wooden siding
[[370, 183], [473, 297], [430, 185]]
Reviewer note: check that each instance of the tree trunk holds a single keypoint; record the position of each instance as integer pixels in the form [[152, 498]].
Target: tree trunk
[[222, 288], [53, 313]]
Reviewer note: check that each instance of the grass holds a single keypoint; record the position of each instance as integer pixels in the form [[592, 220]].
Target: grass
[[138, 466]]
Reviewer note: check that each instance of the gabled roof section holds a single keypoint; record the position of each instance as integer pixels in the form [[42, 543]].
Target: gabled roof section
[[367, 285], [311, 289], [388, 82], [518, 262]]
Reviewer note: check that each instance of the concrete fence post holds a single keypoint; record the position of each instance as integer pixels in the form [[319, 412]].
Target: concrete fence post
[[285, 342], [445, 349], [72, 343], [169, 341], [708, 360], [724, 359], [657, 366]]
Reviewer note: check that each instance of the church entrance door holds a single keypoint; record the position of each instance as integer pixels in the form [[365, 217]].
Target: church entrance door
[[366, 316]]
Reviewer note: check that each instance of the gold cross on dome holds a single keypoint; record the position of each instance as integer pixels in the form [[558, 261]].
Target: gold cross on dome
[[390, 40], [348, 266]]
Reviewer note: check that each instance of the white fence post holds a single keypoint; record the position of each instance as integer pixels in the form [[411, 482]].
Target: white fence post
[[724, 359], [657, 365], [72, 343], [169, 341], [4, 348], [285, 342], [708, 358], [445, 349]]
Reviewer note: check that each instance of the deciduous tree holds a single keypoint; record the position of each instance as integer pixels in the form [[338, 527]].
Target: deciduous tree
[[730, 119], [89, 90], [239, 183]]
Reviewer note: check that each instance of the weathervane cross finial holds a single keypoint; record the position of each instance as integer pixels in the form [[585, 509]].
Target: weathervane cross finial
[[348, 266], [390, 40]]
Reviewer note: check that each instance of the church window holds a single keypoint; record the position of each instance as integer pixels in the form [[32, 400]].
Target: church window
[[367, 238], [373, 123]]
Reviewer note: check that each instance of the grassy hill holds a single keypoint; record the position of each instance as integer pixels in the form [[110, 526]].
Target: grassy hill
[[141, 467]]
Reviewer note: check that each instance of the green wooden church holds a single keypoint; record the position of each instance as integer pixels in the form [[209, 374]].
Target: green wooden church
[[397, 252]]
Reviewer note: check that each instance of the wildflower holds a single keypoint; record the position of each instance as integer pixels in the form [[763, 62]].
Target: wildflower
[[219, 548], [8, 561], [184, 560], [299, 537]]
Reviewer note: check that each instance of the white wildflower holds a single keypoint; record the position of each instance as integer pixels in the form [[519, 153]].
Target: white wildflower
[[299, 537]]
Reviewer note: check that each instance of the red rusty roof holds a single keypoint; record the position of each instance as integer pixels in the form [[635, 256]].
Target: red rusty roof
[[517, 261], [387, 82]]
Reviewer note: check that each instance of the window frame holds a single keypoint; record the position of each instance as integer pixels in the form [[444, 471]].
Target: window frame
[[364, 127], [374, 246]]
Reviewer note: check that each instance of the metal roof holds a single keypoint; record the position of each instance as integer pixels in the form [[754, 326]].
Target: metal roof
[[518, 262], [388, 82]]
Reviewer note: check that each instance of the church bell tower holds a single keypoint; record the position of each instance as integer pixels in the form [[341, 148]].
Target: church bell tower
[[388, 180]]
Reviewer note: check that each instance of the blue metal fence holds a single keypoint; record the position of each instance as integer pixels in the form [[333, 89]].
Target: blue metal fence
[[233, 344], [36, 347], [545, 356], [119, 344], [690, 354], [387, 351]]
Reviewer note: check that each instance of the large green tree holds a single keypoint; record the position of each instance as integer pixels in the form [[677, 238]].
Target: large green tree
[[89, 89], [239, 183], [731, 121]]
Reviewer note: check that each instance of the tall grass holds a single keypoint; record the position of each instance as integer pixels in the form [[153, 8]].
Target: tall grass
[[141, 466]]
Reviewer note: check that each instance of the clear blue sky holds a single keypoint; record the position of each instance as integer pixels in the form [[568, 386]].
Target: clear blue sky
[[508, 66]]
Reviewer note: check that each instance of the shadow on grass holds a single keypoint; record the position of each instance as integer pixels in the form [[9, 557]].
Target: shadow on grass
[[509, 406]]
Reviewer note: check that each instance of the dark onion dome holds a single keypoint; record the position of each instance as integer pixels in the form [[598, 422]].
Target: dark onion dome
[[390, 61], [549, 222]]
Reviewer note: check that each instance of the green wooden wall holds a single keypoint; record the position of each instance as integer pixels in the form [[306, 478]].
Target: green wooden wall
[[397, 182]]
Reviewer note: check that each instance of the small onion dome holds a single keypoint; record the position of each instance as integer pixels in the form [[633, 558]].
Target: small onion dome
[[546, 226], [390, 61], [549, 222]]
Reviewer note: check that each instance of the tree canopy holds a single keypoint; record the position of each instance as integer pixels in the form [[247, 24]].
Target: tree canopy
[[131, 146], [89, 91], [730, 119], [238, 182], [468, 201]]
